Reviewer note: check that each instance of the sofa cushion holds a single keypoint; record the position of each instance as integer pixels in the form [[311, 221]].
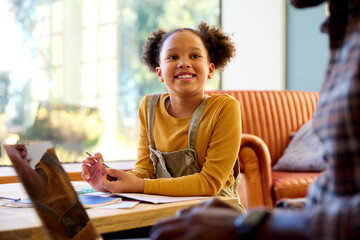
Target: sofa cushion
[[292, 184], [304, 152]]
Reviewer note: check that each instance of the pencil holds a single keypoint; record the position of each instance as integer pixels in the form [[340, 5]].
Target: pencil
[[9, 198], [97, 160]]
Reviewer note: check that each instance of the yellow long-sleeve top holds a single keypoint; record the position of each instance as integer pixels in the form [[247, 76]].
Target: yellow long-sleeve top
[[217, 147]]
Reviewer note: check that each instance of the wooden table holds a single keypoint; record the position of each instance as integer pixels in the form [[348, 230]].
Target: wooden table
[[24, 223]]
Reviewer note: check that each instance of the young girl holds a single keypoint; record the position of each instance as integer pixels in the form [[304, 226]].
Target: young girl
[[188, 142]]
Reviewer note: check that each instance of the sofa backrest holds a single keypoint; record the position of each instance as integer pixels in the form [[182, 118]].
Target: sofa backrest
[[273, 115]]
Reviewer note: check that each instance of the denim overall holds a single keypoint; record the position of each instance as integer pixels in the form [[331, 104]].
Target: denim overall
[[182, 162]]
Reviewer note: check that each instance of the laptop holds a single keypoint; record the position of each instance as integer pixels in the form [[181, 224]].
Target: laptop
[[55, 200]]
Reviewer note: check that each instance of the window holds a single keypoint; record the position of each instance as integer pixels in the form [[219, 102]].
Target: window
[[71, 70]]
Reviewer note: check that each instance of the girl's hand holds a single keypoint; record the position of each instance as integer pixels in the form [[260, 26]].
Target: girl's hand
[[126, 182], [93, 172]]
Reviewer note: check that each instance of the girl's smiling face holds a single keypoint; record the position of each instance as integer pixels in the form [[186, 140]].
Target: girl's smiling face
[[184, 64]]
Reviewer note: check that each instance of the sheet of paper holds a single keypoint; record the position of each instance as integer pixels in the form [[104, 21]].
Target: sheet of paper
[[149, 198], [87, 201], [123, 204], [156, 199], [23, 203]]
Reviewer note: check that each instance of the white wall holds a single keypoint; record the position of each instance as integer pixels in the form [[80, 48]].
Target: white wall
[[259, 34]]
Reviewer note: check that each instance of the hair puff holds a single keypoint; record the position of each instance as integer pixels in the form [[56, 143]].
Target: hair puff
[[218, 44]]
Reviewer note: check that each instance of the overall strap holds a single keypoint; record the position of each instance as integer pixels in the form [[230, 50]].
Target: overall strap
[[195, 122], [150, 113]]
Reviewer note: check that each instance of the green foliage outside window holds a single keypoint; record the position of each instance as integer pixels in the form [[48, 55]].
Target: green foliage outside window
[[87, 53]]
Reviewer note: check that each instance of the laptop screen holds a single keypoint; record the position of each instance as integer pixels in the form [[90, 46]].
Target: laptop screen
[[51, 192]]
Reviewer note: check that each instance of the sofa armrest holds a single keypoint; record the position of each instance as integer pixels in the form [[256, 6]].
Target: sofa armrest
[[255, 164]]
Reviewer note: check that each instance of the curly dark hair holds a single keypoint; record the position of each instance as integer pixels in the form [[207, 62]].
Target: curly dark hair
[[218, 44]]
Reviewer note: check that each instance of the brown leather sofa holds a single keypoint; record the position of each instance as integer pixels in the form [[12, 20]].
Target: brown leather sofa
[[268, 119]]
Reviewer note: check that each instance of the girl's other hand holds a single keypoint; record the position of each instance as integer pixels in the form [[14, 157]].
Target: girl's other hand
[[93, 172], [126, 183]]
